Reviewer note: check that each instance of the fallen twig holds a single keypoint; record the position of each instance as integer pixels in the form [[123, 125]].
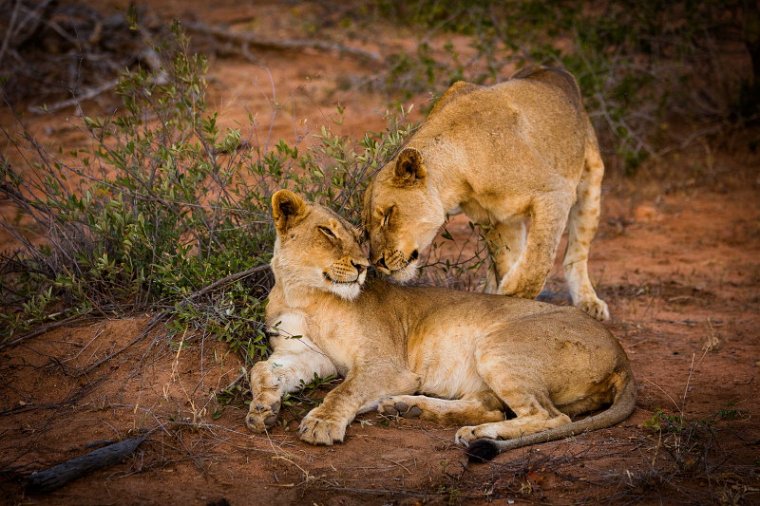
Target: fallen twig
[[249, 39], [57, 476], [227, 280], [40, 330], [87, 94]]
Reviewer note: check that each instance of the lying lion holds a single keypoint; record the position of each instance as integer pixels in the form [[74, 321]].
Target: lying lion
[[522, 151], [441, 355]]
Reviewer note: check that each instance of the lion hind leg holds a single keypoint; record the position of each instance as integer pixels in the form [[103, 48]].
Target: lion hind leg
[[535, 413], [478, 408], [582, 226], [517, 387]]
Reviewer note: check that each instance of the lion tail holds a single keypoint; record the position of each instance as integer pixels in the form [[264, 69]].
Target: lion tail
[[486, 449]]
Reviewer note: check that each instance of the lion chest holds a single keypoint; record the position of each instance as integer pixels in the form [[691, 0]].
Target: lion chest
[[337, 336], [297, 329]]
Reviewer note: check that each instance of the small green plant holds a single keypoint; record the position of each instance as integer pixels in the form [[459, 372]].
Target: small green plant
[[309, 394], [661, 421]]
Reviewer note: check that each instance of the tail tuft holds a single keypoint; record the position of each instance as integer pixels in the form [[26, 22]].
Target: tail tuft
[[482, 450]]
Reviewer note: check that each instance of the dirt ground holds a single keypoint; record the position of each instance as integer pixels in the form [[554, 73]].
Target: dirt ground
[[677, 262]]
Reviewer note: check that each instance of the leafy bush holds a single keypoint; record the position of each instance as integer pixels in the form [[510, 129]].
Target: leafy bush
[[177, 205]]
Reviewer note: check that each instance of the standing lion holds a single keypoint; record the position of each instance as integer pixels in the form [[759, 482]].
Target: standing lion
[[518, 158]]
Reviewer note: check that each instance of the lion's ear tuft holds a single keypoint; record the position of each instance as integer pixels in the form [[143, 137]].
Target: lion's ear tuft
[[287, 209], [409, 168]]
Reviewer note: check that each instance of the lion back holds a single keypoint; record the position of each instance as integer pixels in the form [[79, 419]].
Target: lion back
[[553, 76]]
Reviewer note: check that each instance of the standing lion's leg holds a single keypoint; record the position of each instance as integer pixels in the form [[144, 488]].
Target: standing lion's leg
[[505, 242], [548, 217], [582, 225], [293, 362], [481, 407]]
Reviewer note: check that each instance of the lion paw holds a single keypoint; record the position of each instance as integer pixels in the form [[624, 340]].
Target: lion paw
[[319, 430], [395, 406], [595, 307], [524, 289], [470, 433], [262, 416]]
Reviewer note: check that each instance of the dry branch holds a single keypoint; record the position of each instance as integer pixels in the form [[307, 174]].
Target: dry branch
[[87, 94], [227, 280], [249, 39], [40, 330], [57, 476]]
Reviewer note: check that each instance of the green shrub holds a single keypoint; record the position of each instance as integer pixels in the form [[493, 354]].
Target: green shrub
[[163, 205]]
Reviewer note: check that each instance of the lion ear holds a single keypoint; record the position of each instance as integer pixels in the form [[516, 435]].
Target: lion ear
[[287, 209], [409, 168]]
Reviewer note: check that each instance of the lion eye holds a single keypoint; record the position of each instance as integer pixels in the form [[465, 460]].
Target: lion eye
[[329, 233], [387, 216]]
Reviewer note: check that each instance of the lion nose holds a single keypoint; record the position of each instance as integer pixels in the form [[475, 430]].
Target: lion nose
[[415, 255], [381, 262], [359, 267]]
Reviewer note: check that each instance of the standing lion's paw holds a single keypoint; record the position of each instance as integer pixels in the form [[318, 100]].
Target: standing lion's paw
[[596, 307], [522, 288], [398, 406], [321, 430], [261, 415]]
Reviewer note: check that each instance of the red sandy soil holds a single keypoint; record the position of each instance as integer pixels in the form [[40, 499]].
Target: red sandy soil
[[677, 263]]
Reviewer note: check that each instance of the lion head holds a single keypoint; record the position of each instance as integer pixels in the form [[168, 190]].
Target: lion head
[[316, 248], [401, 214]]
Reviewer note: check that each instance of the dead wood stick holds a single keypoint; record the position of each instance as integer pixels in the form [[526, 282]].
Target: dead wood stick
[[40, 330], [87, 94], [57, 476], [284, 44], [148, 54], [227, 280]]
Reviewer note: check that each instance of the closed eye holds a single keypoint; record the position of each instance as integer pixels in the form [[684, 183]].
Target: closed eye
[[328, 233], [387, 216]]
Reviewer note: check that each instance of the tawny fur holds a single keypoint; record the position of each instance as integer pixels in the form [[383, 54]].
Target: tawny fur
[[519, 152], [442, 355]]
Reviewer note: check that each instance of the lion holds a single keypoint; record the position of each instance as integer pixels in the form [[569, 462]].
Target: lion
[[521, 151], [441, 355]]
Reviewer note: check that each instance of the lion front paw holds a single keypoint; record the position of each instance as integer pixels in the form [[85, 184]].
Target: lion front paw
[[321, 430], [262, 415], [398, 406], [522, 288], [595, 307]]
